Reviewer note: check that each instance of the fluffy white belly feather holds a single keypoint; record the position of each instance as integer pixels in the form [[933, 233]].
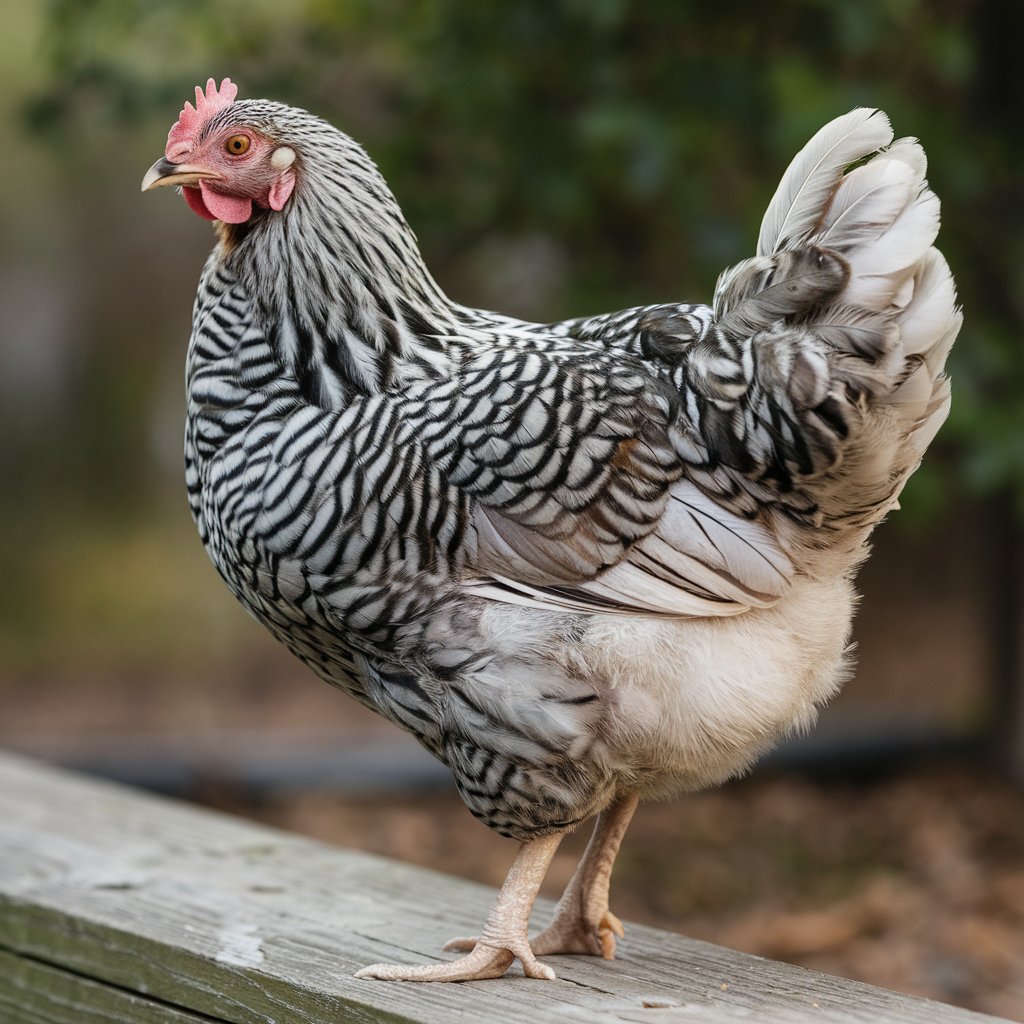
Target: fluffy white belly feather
[[683, 703], [697, 700]]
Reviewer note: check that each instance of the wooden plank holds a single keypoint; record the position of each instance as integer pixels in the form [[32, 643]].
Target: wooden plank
[[32, 992], [222, 920]]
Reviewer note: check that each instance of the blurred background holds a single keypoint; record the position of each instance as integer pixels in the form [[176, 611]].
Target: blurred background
[[556, 158]]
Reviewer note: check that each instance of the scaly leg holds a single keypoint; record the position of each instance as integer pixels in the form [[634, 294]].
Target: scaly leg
[[582, 922], [504, 936]]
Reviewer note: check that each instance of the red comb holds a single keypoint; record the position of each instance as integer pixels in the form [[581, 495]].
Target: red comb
[[191, 119]]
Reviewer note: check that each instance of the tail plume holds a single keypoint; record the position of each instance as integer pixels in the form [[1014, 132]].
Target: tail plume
[[845, 258], [810, 181]]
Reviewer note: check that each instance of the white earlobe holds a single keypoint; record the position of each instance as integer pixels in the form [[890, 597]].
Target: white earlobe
[[282, 157]]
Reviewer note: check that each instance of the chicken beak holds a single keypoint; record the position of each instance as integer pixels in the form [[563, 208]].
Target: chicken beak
[[163, 172]]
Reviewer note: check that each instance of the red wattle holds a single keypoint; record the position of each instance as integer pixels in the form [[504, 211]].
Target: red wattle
[[229, 209], [194, 198]]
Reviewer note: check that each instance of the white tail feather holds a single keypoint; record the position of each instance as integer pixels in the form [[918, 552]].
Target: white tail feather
[[928, 314], [910, 152], [894, 321], [879, 271], [807, 186], [867, 202]]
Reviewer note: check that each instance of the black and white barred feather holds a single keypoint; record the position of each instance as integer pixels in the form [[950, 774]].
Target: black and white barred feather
[[398, 486]]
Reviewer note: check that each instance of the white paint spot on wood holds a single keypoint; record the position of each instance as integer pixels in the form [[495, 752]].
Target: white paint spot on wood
[[240, 946]]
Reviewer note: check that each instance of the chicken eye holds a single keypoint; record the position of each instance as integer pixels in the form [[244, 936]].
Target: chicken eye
[[237, 144]]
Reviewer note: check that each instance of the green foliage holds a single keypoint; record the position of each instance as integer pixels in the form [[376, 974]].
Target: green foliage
[[640, 140]]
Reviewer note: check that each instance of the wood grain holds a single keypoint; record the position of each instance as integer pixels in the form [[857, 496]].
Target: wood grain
[[119, 906]]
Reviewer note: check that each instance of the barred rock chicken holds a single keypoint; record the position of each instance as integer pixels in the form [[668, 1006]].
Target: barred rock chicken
[[584, 563]]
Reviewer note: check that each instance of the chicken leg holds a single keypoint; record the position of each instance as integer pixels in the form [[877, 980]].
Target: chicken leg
[[504, 936], [582, 922]]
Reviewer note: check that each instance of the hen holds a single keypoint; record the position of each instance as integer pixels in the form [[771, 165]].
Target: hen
[[584, 563]]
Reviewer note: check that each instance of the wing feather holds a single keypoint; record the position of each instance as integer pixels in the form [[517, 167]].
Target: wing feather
[[579, 500], [700, 560]]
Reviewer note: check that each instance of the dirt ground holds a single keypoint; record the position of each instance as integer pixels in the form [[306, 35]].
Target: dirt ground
[[913, 881]]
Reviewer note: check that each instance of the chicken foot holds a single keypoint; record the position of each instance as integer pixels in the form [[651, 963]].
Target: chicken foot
[[504, 936], [582, 922]]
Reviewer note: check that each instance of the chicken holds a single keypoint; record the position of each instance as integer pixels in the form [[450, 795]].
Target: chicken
[[585, 563]]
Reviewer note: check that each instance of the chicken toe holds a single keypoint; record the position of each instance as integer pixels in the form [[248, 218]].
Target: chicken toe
[[503, 939]]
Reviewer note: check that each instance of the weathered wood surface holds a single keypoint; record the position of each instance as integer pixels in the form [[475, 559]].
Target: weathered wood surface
[[116, 906]]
